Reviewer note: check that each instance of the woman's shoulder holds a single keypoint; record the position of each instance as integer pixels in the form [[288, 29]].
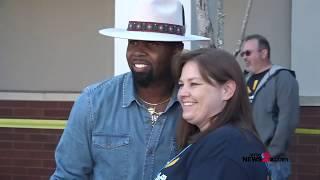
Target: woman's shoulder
[[227, 147], [232, 140], [227, 133]]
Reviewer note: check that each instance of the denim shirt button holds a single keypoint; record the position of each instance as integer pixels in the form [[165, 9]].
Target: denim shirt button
[[150, 151]]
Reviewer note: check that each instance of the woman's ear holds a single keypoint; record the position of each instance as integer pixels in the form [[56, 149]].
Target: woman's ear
[[228, 90]]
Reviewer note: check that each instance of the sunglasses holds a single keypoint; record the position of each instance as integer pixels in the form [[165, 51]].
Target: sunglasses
[[248, 52], [245, 53]]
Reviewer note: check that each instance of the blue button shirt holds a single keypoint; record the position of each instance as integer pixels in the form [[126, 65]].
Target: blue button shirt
[[109, 135]]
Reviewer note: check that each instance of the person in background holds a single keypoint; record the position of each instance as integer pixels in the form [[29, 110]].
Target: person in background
[[124, 128], [274, 95], [216, 133]]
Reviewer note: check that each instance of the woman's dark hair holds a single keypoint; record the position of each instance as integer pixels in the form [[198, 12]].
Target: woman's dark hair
[[221, 66]]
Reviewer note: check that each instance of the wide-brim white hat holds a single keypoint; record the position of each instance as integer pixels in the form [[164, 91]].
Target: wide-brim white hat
[[155, 20]]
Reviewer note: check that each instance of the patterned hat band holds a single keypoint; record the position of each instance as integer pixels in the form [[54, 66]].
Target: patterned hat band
[[156, 27]]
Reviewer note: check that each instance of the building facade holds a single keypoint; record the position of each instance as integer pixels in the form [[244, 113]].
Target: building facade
[[51, 50]]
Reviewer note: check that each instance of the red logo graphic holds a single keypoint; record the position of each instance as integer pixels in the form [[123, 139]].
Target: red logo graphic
[[266, 157]]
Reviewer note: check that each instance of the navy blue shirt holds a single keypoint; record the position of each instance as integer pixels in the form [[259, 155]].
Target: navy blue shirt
[[220, 155]]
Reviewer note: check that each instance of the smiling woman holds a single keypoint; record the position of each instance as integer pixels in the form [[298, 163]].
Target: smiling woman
[[219, 72], [199, 106], [216, 120]]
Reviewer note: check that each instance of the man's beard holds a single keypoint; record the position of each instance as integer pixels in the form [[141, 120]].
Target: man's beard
[[143, 79]]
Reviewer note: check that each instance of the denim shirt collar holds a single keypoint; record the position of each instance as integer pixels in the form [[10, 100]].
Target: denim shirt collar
[[128, 92]]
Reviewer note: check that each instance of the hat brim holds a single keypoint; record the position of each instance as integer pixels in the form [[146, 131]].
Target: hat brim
[[149, 36]]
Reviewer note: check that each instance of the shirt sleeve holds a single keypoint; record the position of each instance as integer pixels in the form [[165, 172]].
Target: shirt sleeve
[[73, 157], [288, 117]]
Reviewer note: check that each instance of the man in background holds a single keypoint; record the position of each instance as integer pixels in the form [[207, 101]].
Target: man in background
[[274, 95]]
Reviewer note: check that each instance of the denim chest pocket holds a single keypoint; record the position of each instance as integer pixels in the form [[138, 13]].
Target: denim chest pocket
[[110, 141], [111, 155]]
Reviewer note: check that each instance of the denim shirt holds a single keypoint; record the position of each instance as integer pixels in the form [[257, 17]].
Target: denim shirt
[[109, 135]]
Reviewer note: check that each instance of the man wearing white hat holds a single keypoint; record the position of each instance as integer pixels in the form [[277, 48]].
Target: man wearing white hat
[[124, 127]]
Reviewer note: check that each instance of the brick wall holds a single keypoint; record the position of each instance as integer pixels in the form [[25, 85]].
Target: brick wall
[[35, 109], [305, 157], [305, 148], [29, 153]]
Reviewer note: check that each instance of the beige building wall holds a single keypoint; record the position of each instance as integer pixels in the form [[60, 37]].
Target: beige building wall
[[290, 26], [54, 45], [271, 18], [305, 45]]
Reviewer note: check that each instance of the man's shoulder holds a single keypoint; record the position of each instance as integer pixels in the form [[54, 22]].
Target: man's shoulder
[[282, 71], [107, 84], [284, 78]]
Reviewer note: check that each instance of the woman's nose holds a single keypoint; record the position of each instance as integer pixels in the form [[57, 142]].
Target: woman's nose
[[183, 91]]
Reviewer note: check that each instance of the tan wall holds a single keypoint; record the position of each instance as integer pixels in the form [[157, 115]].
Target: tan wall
[[271, 18], [54, 45], [305, 46]]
